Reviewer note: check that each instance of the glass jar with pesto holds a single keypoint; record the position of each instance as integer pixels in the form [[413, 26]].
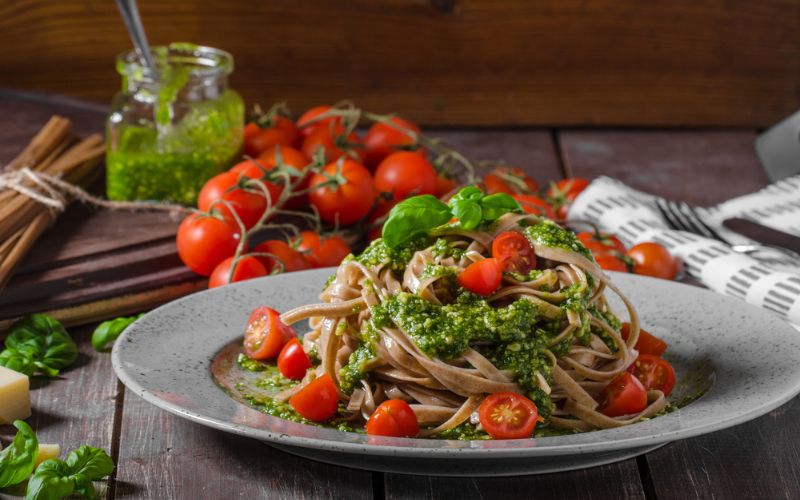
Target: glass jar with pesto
[[172, 129]]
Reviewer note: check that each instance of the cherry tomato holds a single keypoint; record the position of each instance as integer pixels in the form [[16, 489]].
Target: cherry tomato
[[305, 124], [507, 415], [258, 139], [265, 334], [600, 242], [509, 180], [336, 143], [293, 362], [647, 343], [652, 259], [514, 251], [562, 193], [654, 373], [622, 396], [444, 185], [610, 262], [323, 251], [247, 268], [317, 401], [347, 202], [204, 241], [283, 257], [248, 203], [405, 174], [482, 277], [290, 157], [393, 417], [383, 139], [534, 205]]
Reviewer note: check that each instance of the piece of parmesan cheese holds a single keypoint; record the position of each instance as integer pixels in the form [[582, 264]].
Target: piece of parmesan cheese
[[15, 398], [47, 451]]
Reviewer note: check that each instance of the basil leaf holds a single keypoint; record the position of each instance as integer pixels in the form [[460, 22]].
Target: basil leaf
[[498, 204], [17, 461], [18, 361], [468, 193], [45, 341], [468, 213], [91, 462], [51, 481], [107, 332], [412, 217]]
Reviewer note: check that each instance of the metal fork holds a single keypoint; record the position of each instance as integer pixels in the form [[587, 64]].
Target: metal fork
[[683, 217]]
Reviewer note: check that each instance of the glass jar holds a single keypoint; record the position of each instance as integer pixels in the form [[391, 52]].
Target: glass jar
[[168, 133]]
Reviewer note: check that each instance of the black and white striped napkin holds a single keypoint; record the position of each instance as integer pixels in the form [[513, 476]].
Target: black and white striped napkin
[[767, 278]]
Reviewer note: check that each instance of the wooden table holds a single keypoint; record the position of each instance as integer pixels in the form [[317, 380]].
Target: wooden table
[[162, 456]]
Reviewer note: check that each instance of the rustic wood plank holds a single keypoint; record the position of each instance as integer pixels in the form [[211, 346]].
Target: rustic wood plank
[[754, 460], [448, 62], [610, 481], [78, 407], [163, 456]]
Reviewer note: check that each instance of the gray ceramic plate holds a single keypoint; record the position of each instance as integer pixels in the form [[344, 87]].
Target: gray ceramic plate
[[744, 359]]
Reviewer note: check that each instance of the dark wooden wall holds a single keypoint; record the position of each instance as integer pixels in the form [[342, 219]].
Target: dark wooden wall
[[448, 62]]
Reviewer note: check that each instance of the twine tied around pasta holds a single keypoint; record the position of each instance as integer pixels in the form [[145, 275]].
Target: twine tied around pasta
[[55, 193]]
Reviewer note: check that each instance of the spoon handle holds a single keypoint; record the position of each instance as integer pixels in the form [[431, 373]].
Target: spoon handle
[[130, 14]]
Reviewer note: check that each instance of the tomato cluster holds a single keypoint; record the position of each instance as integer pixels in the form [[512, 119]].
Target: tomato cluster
[[648, 258]]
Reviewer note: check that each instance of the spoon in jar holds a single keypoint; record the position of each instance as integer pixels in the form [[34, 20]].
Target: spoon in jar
[[130, 14]]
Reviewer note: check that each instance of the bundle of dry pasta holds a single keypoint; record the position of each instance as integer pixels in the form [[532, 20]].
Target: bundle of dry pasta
[[27, 205]]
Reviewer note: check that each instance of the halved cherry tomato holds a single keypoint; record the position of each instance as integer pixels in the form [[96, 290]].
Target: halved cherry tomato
[[282, 257], [323, 251], [610, 262], [622, 396], [293, 362], [654, 373], [347, 202], [393, 417], [599, 242], [265, 334], [647, 343], [249, 203], [317, 401], [482, 277], [652, 259], [534, 205], [257, 139], [514, 252], [306, 125], [507, 415], [444, 185], [404, 174], [509, 180], [205, 240], [246, 268], [335, 142], [383, 139]]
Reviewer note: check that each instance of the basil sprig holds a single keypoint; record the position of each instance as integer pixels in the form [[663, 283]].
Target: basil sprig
[[17, 461], [107, 332], [38, 344], [55, 478], [418, 215]]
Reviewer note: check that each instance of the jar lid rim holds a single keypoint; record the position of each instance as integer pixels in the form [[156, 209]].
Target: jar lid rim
[[202, 61]]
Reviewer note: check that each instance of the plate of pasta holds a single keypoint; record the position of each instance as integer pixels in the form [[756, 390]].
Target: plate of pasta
[[485, 343]]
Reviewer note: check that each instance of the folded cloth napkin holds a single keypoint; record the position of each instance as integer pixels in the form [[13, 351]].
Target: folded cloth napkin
[[767, 279]]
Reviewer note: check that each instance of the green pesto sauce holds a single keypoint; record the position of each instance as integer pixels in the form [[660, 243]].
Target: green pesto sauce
[[251, 365], [463, 432], [442, 248], [447, 331], [550, 234], [533, 274], [377, 254], [172, 161], [437, 271]]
